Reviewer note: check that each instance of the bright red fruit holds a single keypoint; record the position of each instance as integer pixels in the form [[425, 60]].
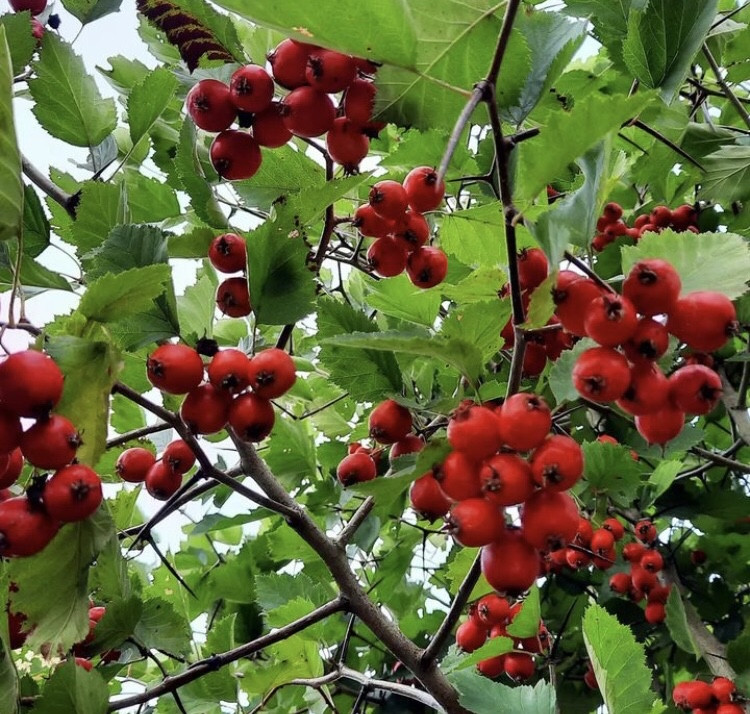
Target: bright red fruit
[[210, 105], [228, 371], [558, 463], [662, 426], [509, 564], [388, 199], [24, 529], [269, 128], [31, 383], [412, 231], [389, 422], [470, 636], [473, 429], [427, 498], [723, 689], [532, 267], [645, 531], [179, 456], [228, 253], [356, 468], [610, 320], [133, 464], [73, 493], [633, 552], [648, 343], [174, 368], [652, 561], [620, 583], [307, 112], [271, 373], [371, 224], [233, 297], [458, 476], [10, 431], [549, 520], [519, 666], [601, 374], [525, 420], [251, 417], [492, 667], [692, 695], [347, 144], [655, 613], [35, 7], [424, 191], [704, 320], [475, 522], [289, 63], [251, 88], [647, 392], [506, 479], [51, 443], [359, 101], [387, 257], [410, 444], [329, 71], [602, 540], [235, 155], [161, 482], [653, 286], [11, 466], [205, 409], [493, 610], [427, 267], [695, 389], [615, 527], [730, 708], [572, 295]]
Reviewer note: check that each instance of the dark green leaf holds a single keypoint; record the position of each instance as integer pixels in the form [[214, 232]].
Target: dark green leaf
[[677, 624], [149, 200], [103, 206], [610, 468], [8, 680], [526, 622], [727, 175], [148, 99], [477, 323], [35, 224], [119, 622], [89, 10], [73, 690], [483, 696], [11, 186], [126, 247], [197, 306], [21, 43], [161, 627]]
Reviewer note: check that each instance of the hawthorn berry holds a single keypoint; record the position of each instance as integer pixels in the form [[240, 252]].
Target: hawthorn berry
[[271, 373], [51, 443], [372, 224], [730, 708], [289, 63], [347, 144], [493, 610], [633, 552], [251, 88], [356, 468], [307, 112], [525, 420], [389, 199], [228, 371], [387, 257], [228, 253], [233, 297], [410, 444], [519, 665], [532, 267], [470, 636], [492, 667], [205, 409], [572, 295], [269, 129], [723, 689], [423, 189], [251, 417], [161, 482], [558, 463], [389, 422], [506, 479], [549, 520], [359, 101], [601, 374], [427, 498], [695, 389], [655, 613], [474, 430], [692, 695], [179, 456], [474, 522], [648, 343], [11, 466], [653, 286], [24, 528], [73, 493], [615, 527], [427, 267], [235, 155], [647, 392], [610, 320], [31, 383], [174, 368], [620, 583], [703, 320], [661, 426], [329, 71], [412, 230], [133, 464], [459, 476], [210, 106], [652, 561], [645, 531], [35, 7]]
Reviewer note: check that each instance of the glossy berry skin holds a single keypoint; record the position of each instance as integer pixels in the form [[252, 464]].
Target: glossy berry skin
[[359, 101], [493, 610], [161, 482], [549, 520], [356, 468], [178, 456], [509, 564], [269, 128], [459, 477], [558, 463], [329, 71], [519, 666], [289, 63], [647, 392], [228, 371], [655, 613], [235, 155], [620, 583], [525, 420], [474, 522], [695, 389], [610, 320], [427, 267], [423, 189], [412, 231], [572, 295], [251, 88], [73, 493], [585, 532], [473, 429], [251, 417], [614, 527], [652, 561], [410, 444], [470, 636], [662, 426], [133, 464], [205, 409], [492, 667], [24, 530], [371, 224], [532, 268], [31, 383], [506, 479], [601, 374], [210, 105], [704, 320], [389, 422], [233, 297], [645, 531], [10, 431], [35, 7], [723, 689], [633, 552], [692, 695], [347, 144], [271, 373], [648, 343], [427, 499], [228, 253], [51, 443], [388, 199], [307, 112], [387, 257], [174, 368], [11, 466], [653, 286], [730, 708], [602, 540]]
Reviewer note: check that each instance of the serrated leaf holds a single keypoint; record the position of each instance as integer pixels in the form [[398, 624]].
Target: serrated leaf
[[20, 42], [119, 622], [677, 624], [660, 481], [662, 41], [457, 660], [127, 247], [59, 615], [475, 236], [727, 176], [11, 186], [149, 200], [36, 229], [67, 102], [526, 622], [541, 305], [276, 589], [398, 297], [561, 375], [619, 663], [719, 262], [610, 468], [89, 10], [102, 207], [148, 99], [161, 627], [479, 324], [73, 690], [483, 696], [8, 680], [196, 307]]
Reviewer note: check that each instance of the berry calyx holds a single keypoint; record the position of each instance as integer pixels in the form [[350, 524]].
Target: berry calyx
[[653, 286], [174, 368], [251, 88], [228, 253], [525, 420], [228, 371], [73, 493], [209, 104]]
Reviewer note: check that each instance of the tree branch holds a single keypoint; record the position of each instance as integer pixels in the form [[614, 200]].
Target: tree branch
[[137, 434], [739, 415], [66, 200], [356, 521], [728, 93]]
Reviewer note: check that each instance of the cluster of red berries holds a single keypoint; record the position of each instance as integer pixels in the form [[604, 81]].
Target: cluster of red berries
[[642, 582], [632, 337], [311, 74], [163, 476], [610, 225], [490, 617], [590, 546], [719, 697], [238, 391], [31, 385], [228, 254], [394, 217]]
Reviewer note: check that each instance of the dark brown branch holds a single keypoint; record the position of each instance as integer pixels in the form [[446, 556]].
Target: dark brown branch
[[725, 88], [356, 521], [584, 267], [721, 460], [66, 200], [667, 142], [738, 414], [137, 434]]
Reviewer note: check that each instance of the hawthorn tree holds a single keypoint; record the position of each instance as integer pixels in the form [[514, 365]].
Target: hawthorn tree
[[488, 296]]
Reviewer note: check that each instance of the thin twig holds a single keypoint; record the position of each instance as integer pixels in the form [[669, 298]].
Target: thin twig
[[586, 268], [137, 434], [667, 142], [356, 521], [728, 93], [721, 459]]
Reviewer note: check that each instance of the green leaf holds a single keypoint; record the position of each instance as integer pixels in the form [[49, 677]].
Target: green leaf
[[677, 624], [59, 614], [541, 305], [660, 481], [610, 468], [11, 186], [124, 248], [291, 451], [561, 374], [545, 158], [73, 690], [36, 229], [148, 100], [149, 200], [457, 660], [102, 207], [8, 680], [477, 323], [483, 696], [458, 353], [161, 627], [277, 589], [197, 306], [708, 261], [89, 10], [119, 622], [67, 102], [663, 39], [619, 663], [112, 296], [399, 298], [526, 622], [387, 491], [475, 236], [32, 273], [20, 42], [727, 177]]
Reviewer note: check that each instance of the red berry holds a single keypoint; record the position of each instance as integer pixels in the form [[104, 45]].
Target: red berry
[[612, 212], [652, 561], [271, 373], [576, 559], [161, 482], [289, 63], [37, 30], [655, 613], [427, 498], [692, 695], [648, 343], [525, 420], [228, 253], [602, 541], [251, 88], [703, 320], [24, 529], [648, 391], [233, 297], [235, 155], [412, 231], [174, 368], [493, 610], [572, 295], [346, 144], [356, 468], [329, 71], [458, 476], [660, 593], [532, 267], [359, 101], [389, 422], [643, 580], [534, 359], [723, 689], [662, 426], [307, 112], [35, 7], [549, 520], [653, 286], [558, 463], [205, 409], [424, 191], [610, 320], [388, 199], [492, 667], [31, 384], [601, 374], [695, 389], [372, 224], [84, 663], [589, 679], [683, 217], [661, 216], [133, 464], [210, 105], [228, 371], [73, 493], [427, 267], [387, 257], [506, 479], [251, 417], [410, 444], [730, 708], [475, 522], [470, 636], [633, 552], [179, 456], [698, 557], [11, 466], [473, 429], [645, 531], [269, 128], [585, 532], [51, 443], [519, 666], [614, 527], [620, 583], [10, 431]]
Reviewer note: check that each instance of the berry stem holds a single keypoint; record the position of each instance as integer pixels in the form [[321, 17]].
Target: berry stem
[[728, 93]]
